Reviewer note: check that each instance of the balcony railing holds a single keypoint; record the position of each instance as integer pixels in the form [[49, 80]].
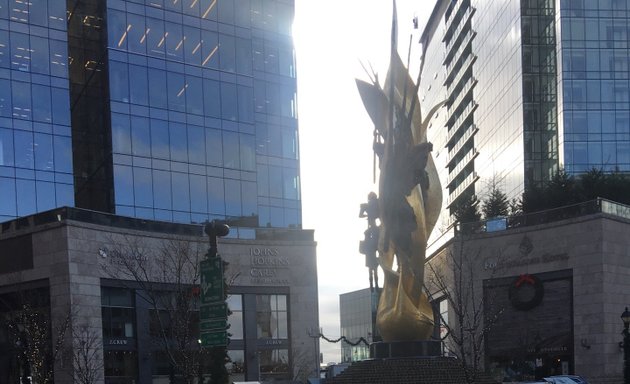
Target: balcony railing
[[548, 216]]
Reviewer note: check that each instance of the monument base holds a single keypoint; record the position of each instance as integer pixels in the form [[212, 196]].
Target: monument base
[[397, 349]]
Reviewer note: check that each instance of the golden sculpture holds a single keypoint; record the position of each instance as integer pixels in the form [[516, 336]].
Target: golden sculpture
[[410, 199]]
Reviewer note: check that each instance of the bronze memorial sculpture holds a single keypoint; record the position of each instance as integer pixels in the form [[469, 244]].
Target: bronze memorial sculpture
[[409, 199]]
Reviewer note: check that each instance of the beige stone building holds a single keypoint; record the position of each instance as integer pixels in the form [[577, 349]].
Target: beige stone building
[[550, 289], [80, 264]]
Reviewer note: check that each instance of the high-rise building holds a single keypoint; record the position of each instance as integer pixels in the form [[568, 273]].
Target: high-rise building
[[531, 86], [170, 110], [357, 315]]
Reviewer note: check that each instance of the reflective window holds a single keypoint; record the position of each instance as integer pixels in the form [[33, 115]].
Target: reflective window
[[118, 81], [197, 134], [140, 136], [181, 193], [216, 195], [142, 186], [63, 154], [214, 147], [235, 304], [271, 316], [274, 363], [229, 103], [26, 199], [43, 152], [8, 208], [198, 194], [157, 88], [121, 133], [236, 366], [178, 142], [138, 85], [6, 147], [231, 151], [123, 185], [42, 105], [162, 189], [233, 197]]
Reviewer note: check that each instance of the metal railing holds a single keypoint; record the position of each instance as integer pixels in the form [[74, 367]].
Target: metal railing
[[591, 207]]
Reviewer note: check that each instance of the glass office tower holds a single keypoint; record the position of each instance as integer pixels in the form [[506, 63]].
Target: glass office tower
[[530, 87], [181, 110], [595, 107], [35, 138]]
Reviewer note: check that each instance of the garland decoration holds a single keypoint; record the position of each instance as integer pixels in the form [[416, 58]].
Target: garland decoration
[[361, 340], [525, 304]]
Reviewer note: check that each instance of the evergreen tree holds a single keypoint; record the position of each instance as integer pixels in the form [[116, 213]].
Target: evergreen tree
[[496, 204], [467, 209]]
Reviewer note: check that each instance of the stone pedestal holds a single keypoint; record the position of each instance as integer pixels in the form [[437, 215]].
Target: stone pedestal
[[397, 349]]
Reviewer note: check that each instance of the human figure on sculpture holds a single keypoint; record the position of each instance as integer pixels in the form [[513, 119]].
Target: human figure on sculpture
[[370, 209], [369, 245]]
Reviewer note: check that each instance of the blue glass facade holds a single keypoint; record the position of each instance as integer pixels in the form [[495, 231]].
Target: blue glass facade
[[595, 108], [35, 136], [176, 110], [203, 110], [531, 87]]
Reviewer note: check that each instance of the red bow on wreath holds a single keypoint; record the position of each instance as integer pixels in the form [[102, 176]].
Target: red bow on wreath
[[524, 279]]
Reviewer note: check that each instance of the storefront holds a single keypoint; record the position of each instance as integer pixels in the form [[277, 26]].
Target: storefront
[[547, 296], [94, 270]]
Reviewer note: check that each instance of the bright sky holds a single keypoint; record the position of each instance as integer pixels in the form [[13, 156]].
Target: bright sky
[[332, 37]]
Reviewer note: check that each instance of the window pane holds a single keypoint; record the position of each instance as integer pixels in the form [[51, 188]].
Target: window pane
[[155, 37], [174, 40], [214, 147], [198, 194], [43, 152], [212, 98], [121, 134], [216, 196], [6, 107], [243, 56], [63, 154], [45, 195], [162, 189], [245, 104], [196, 145], [7, 190], [176, 92], [140, 136], [39, 54], [179, 144], [118, 81], [192, 45], [159, 139], [6, 147], [138, 85], [26, 200], [123, 185], [157, 88], [42, 109], [24, 150], [229, 103], [210, 49], [248, 152], [250, 198], [142, 187], [181, 195], [231, 152], [22, 107], [135, 36], [233, 197], [194, 95]]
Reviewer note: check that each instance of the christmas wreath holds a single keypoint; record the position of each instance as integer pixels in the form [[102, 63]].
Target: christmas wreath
[[526, 292]]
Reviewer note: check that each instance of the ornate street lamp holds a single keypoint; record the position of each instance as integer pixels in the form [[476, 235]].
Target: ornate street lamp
[[625, 317]]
